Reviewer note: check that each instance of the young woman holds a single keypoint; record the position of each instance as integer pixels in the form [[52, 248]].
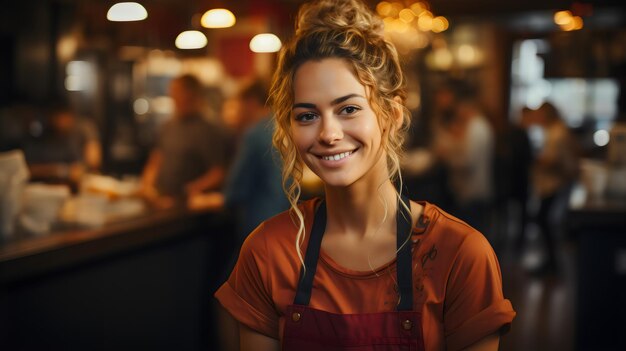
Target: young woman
[[364, 268]]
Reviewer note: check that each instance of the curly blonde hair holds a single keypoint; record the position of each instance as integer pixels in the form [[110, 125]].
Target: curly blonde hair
[[348, 30]]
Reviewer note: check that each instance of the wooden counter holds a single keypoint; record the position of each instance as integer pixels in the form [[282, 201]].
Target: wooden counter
[[141, 283], [29, 256]]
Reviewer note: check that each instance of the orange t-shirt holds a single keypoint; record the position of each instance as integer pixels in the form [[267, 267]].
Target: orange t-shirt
[[456, 278]]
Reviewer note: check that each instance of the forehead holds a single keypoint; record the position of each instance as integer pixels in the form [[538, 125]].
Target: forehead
[[325, 80]]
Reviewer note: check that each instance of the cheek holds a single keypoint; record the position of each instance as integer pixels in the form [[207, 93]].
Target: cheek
[[301, 137], [367, 130]]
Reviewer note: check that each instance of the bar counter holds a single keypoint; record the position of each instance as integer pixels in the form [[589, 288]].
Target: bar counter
[[140, 283], [599, 227]]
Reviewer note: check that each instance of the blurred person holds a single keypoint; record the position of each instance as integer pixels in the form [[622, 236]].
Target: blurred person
[[68, 147], [253, 187], [190, 153], [254, 184], [362, 267], [465, 142], [425, 175], [514, 158], [555, 169]]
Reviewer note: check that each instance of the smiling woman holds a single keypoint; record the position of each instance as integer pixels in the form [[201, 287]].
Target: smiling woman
[[363, 268]]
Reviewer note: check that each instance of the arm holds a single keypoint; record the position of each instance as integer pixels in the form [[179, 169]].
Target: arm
[[210, 180], [92, 155], [58, 170], [250, 340], [489, 343], [148, 177]]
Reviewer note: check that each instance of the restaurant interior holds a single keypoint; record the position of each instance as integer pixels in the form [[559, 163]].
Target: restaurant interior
[[89, 261]]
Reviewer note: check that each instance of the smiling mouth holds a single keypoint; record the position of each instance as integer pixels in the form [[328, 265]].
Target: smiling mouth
[[338, 156]]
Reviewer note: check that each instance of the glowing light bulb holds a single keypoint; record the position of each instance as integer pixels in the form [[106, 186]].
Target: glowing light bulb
[[191, 39], [266, 42], [127, 12], [218, 18]]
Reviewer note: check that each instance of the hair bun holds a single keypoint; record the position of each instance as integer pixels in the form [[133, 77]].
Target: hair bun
[[338, 14]]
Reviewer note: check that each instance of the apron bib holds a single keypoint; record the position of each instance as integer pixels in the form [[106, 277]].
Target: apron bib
[[309, 329]]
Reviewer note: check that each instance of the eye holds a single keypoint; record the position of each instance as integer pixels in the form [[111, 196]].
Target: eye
[[306, 117], [348, 110]]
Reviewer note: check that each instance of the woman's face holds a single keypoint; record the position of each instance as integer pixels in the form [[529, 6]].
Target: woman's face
[[333, 125]]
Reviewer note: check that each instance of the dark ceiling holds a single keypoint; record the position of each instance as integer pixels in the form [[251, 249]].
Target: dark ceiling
[[167, 18]]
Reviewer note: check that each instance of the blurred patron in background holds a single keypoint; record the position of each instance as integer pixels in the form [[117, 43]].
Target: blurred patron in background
[[190, 153], [68, 146], [554, 172], [253, 187], [465, 142], [514, 159]]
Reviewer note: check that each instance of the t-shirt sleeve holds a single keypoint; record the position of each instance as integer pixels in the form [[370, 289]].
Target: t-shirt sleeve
[[475, 306], [246, 295]]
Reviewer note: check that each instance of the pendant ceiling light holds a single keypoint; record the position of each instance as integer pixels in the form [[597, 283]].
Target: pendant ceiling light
[[191, 39], [266, 42], [127, 12], [218, 18]]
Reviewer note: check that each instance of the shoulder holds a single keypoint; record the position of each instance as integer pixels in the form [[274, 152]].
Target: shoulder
[[452, 233]]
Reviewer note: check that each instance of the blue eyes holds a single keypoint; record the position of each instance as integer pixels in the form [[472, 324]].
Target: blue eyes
[[310, 116]]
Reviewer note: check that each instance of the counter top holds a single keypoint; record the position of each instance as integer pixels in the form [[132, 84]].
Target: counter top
[[602, 212], [25, 257]]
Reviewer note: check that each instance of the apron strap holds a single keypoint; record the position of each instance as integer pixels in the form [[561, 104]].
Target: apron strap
[[305, 283], [403, 260]]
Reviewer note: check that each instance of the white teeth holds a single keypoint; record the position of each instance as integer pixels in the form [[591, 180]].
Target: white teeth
[[337, 157]]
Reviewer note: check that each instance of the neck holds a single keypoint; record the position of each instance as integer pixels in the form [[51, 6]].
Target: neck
[[363, 208]]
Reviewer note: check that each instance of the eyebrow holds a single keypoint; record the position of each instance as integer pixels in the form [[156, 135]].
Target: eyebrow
[[334, 102]]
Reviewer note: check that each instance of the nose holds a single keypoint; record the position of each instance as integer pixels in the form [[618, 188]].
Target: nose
[[331, 130]]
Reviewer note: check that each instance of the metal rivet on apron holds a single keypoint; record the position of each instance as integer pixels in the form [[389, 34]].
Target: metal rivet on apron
[[407, 324], [295, 316]]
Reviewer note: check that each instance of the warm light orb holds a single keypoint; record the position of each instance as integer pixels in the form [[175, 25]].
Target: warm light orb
[[425, 21], [218, 18], [191, 39], [266, 42], [562, 17], [417, 8], [440, 24], [384, 8], [127, 12], [406, 15]]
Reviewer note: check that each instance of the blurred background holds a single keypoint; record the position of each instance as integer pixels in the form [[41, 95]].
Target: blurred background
[[135, 157]]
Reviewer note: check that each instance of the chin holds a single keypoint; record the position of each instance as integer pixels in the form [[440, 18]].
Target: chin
[[336, 180]]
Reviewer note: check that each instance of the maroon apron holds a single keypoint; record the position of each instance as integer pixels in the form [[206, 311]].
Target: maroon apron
[[309, 329]]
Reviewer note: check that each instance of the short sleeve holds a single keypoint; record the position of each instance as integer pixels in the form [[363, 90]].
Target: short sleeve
[[246, 295], [474, 304]]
